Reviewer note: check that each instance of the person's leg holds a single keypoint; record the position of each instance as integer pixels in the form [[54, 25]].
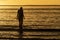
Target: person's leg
[[21, 28]]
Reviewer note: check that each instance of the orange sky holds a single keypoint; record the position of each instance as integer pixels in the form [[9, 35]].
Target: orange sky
[[30, 2]]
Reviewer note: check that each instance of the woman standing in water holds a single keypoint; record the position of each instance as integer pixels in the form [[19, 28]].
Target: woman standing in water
[[20, 16]]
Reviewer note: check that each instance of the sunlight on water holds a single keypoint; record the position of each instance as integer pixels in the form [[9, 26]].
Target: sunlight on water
[[46, 17], [35, 18]]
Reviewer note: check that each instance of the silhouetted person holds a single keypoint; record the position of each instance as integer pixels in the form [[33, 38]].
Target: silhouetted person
[[20, 16]]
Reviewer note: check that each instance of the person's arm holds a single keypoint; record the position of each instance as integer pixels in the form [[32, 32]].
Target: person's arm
[[23, 16]]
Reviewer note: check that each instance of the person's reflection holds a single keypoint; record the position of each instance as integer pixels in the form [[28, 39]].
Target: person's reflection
[[20, 16]]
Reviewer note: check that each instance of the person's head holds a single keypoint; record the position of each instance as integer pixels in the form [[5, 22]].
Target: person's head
[[21, 8]]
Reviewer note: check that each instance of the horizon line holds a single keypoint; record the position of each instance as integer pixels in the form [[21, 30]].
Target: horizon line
[[29, 5]]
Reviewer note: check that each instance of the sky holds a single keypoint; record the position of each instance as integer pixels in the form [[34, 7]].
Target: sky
[[29, 2]]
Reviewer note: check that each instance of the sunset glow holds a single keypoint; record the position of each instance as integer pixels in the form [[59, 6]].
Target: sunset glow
[[29, 2]]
